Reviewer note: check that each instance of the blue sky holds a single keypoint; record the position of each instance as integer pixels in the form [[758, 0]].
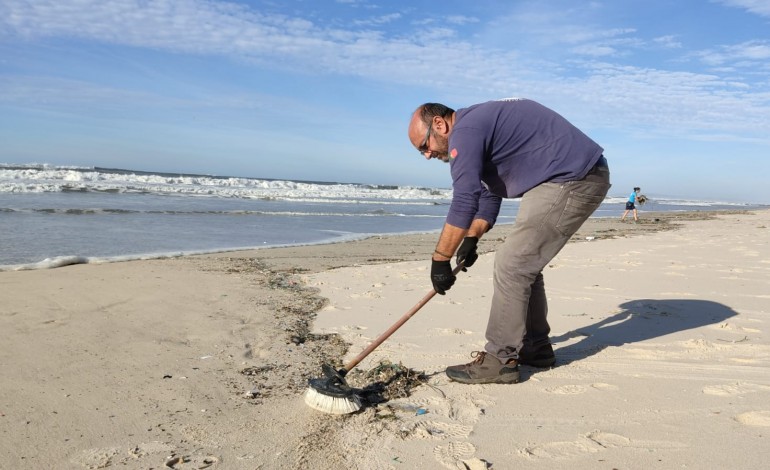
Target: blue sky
[[677, 92]]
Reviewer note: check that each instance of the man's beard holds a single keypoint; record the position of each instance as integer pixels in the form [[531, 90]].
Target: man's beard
[[442, 152]]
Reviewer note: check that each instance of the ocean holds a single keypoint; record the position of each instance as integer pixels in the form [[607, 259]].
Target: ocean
[[53, 216]]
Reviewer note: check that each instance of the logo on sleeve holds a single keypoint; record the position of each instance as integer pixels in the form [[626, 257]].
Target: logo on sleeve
[[453, 154]]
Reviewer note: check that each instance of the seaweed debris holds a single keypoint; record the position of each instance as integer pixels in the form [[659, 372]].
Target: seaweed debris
[[385, 382]]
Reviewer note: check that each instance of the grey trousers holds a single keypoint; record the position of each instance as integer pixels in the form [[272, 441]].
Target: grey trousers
[[549, 215]]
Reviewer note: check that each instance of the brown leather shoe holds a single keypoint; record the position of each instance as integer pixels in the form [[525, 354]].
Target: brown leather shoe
[[485, 369]]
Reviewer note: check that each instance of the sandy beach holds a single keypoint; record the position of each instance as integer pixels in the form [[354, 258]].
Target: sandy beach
[[660, 330]]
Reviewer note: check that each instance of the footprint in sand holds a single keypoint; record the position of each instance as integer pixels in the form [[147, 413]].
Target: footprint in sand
[[591, 443], [465, 410], [462, 413], [754, 418], [451, 455]]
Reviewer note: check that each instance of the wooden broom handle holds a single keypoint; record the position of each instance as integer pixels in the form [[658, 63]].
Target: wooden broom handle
[[380, 339]]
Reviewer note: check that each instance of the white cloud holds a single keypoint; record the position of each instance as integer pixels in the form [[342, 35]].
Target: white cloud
[[747, 54], [611, 94], [758, 7], [594, 50], [669, 42], [753, 50], [654, 102]]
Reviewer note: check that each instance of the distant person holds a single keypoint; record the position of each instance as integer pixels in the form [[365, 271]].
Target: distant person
[[631, 205], [512, 148]]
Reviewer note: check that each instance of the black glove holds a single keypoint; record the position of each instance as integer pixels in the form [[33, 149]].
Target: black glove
[[441, 276], [466, 254]]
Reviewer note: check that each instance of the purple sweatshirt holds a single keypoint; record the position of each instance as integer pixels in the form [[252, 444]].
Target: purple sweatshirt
[[505, 148]]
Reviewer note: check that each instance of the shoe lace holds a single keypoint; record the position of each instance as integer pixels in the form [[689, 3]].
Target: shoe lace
[[479, 357]]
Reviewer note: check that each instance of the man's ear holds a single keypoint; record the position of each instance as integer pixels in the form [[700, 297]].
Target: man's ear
[[439, 125]]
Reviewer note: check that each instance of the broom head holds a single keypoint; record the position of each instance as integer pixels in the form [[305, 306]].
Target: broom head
[[331, 394]]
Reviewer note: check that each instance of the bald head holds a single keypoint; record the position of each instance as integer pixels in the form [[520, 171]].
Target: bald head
[[417, 128]]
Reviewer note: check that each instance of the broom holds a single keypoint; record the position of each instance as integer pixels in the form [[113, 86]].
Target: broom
[[331, 394]]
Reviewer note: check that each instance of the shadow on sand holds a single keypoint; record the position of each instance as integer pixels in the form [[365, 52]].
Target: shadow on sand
[[639, 320]]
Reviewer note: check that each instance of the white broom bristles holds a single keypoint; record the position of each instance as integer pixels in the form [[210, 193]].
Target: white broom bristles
[[332, 405]]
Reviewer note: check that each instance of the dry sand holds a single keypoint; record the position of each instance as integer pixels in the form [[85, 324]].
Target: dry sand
[[200, 362]]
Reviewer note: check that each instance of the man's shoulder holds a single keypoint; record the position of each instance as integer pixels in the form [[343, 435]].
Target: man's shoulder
[[481, 115], [497, 104]]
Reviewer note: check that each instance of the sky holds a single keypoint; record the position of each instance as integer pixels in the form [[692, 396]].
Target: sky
[[677, 92]]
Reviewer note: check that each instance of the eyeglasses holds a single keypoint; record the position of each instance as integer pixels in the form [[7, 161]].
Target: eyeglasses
[[423, 148]]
